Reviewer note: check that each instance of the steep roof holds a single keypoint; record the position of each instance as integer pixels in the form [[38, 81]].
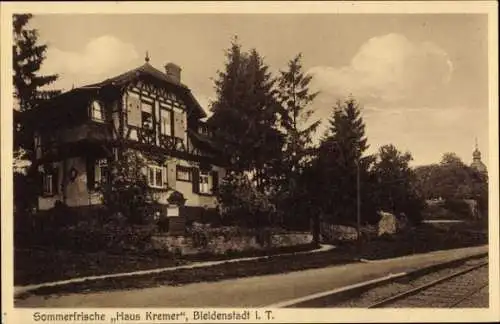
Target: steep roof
[[203, 141], [148, 69], [50, 111]]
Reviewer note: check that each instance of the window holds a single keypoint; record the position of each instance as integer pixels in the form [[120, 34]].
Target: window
[[155, 176], [202, 129], [48, 188], [97, 112], [147, 115], [204, 183], [183, 173], [38, 141], [101, 172], [165, 121]]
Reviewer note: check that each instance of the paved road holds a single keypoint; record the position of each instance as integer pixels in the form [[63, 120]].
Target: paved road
[[250, 292]]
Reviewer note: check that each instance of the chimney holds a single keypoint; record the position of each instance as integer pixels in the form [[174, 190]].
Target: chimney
[[173, 71]]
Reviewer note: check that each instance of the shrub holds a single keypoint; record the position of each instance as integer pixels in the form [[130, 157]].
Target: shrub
[[127, 191], [110, 237], [458, 207], [88, 235], [241, 203], [176, 198], [163, 224]]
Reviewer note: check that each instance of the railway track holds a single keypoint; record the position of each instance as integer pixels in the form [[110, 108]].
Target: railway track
[[462, 283], [448, 291]]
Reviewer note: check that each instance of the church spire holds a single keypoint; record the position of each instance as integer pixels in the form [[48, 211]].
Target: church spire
[[147, 57], [476, 159], [476, 154]]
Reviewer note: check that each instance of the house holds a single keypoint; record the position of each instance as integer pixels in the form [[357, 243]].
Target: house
[[77, 134]]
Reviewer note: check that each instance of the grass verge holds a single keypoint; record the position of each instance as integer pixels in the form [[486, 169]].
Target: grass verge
[[35, 266], [426, 238]]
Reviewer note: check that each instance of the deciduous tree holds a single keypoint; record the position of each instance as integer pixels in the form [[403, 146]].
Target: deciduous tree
[[396, 183]]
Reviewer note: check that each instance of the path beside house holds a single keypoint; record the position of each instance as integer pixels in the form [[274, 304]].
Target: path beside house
[[260, 291], [23, 289]]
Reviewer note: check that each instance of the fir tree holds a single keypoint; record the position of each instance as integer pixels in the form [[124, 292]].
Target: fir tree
[[262, 135], [341, 157], [227, 119], [244, 113], [28, 57], [347, 129], [295, 97]]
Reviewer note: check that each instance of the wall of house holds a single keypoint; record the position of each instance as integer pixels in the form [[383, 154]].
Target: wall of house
[[77, 193], [75, 190], [47, 202], [186, 188], [132, 108]]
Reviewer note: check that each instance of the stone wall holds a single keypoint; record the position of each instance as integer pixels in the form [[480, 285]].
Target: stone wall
[[332, 233], [219, 244], [387, 225]]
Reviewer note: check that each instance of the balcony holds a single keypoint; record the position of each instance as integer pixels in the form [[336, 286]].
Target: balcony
[[146, 136], [172, 143]]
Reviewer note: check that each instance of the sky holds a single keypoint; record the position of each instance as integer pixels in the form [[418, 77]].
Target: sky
[[421, 79]]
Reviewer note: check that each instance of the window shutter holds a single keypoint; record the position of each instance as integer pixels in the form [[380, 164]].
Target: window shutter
[[215, 181], [176, 123], [182, 127], [164, 178], [196, 180], [171, 177], [134, 110], [179, 128], [40, 176], [90, 173], [166, 121], [55, 181]]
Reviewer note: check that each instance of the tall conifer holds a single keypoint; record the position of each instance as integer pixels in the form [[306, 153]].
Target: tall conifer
[[244, 113], [341, 152], [28, 57], [295, 97]]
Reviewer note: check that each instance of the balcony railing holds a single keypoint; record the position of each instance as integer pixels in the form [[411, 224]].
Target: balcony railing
[[166, 142], [172, 143], [146, 136]]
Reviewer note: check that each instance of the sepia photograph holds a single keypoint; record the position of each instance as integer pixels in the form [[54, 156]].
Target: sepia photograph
[[220, 166]]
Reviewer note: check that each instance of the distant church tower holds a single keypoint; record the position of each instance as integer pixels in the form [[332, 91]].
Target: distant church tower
[[476, 161]]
